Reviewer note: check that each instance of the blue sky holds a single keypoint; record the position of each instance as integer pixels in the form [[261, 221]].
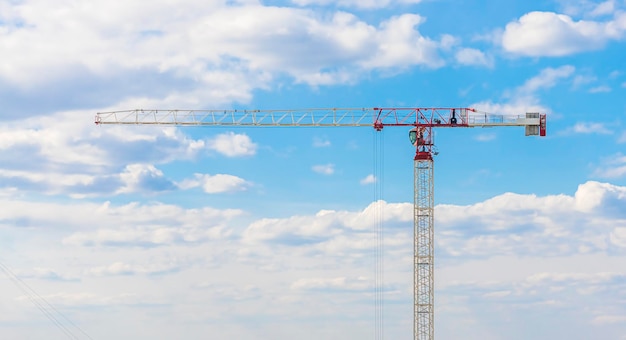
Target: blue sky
[[268, 233]]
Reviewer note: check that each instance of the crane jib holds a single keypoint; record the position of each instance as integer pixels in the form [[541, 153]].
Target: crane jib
[[374, 117]]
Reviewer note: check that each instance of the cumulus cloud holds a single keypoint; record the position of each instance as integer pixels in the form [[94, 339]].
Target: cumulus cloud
[[367, 4], [213, 184], [473, 57], [545, 292], [589, 128], [327, 223], [215, 60], [612, 167], [134, 178], [333, 284], [588, 8], [369, 179], [144, 236], [486, 137], [68, 154], [152, 225], [144, 177], [232, 145], [600, 89], [604, 8], [583, 79], [47, 274], [324, 169], [123, 268], [550, 34], [321, 142], [524, 98], [547, 78], [609, 319], [512, 253], [83, 163], [400, 45], [512, 224], [550, 235]]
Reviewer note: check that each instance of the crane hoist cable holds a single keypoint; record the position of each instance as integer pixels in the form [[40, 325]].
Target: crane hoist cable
[[378, 150]]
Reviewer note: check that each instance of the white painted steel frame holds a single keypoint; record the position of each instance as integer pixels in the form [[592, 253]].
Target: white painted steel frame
[[423, 253], [433, 117]]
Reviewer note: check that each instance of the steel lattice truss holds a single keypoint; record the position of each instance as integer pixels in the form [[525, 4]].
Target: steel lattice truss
[[431, 117], [423, 253]]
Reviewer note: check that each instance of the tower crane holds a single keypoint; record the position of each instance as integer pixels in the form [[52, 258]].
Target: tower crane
[[421, 121]]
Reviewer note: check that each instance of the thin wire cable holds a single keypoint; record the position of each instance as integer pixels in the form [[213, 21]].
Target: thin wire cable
[[381, 194], [37, 303], [42, 304], [379, 265]]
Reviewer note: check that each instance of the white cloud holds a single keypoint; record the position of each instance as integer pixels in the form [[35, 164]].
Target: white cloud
[[48, 274], [503, 226], [604, 8], [592, 196], [615, 74], [486, 137], [369, 179], [515, 107], [321, 142], [130, 225], [329, 225], [589, 128], [496, 252], [200, 55], [123, 268], [580, 80], [524, 98], [144, 177], [547, 78], [365, 4], [511, 254], [551, 34], [67, 154], [153, 225], [232, 145], [612, 167], [609, 319], [600, 89], [213, 184], [591, 8], [400, 45], [324, 169], [622, 138], [471, 56], [336, 283], [618, 237]]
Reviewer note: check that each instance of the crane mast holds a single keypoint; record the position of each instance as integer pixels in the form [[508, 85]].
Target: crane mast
[[422, 121]]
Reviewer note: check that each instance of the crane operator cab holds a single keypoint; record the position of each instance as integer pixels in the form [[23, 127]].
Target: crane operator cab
[[416, 136]]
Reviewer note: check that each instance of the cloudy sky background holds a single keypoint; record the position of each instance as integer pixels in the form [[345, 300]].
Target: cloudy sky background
[[170, 233]]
